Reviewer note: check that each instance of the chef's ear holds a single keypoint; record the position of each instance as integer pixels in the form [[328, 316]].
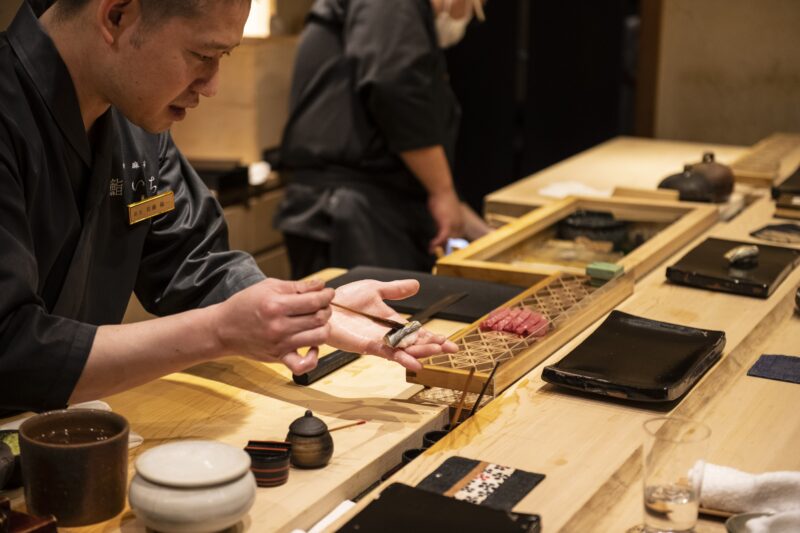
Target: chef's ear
[[115, 17]]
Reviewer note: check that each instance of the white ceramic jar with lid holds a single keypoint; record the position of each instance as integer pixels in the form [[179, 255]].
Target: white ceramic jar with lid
[[192, 486]]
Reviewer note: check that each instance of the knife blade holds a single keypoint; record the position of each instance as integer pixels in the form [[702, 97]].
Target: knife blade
[[336, 360]]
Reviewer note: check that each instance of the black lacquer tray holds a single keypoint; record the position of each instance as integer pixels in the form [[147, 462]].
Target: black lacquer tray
[[638, 359], [482, 296], [706, 267], [401, 508]]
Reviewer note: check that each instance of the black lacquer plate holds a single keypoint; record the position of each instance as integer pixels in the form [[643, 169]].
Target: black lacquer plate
[[638, 359], [401, 508], [706, 267]]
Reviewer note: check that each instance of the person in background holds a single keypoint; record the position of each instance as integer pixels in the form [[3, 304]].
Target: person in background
[[96, 201], [369, 143]]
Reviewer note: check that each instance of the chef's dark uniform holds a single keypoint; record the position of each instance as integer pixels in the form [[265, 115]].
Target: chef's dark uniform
[[70, 259], [370, 81]]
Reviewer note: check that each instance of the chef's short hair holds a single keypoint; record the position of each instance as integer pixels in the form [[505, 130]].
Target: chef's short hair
[[153, 11]]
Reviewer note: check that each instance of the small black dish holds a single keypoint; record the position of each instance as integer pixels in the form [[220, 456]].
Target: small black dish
[[269, 461], [432, 437], [10, 466], [411, 454], [639, 359], [595, 226]]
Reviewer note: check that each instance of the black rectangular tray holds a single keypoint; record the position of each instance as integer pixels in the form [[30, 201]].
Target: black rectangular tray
[[482, 296], [638, 359], [401, 508], [706, 267]]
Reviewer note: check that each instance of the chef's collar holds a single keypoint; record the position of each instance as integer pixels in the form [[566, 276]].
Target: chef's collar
[[39, 57]]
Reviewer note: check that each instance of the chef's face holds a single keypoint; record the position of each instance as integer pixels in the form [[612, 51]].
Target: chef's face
[[162, 69]]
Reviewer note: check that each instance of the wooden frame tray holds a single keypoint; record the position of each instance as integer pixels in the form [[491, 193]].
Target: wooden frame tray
[[769, 160], [570, 304], [670, 226]]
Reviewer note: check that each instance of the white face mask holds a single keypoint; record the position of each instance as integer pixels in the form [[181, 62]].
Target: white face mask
[[450, 30]]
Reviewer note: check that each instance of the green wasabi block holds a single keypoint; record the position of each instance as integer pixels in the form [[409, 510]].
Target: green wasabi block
[[604, 271]]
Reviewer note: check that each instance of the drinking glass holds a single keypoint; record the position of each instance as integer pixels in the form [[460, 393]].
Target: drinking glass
[[674, 458]]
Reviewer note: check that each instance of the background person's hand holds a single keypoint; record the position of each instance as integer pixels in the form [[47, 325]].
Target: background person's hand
[[272, 319], [355, 333], [446, 210]]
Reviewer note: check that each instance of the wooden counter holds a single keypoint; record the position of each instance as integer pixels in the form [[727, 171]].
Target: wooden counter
[[589, 447], [620, 162], [233, 400]]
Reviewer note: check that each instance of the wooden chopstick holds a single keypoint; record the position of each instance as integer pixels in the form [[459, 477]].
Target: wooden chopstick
[[380, 320], [348, 425], [457, 415], [483, 390]]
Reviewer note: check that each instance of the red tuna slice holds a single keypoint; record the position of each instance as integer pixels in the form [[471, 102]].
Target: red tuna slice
[[536, 325], [503, 323], [494, 317], [519, 318]]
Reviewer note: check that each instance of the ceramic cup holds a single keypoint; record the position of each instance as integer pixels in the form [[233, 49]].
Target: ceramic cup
[[75, 465], [269, 461]]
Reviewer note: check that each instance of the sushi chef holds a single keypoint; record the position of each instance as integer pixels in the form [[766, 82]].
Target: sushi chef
[[369, 143], [96, 201]]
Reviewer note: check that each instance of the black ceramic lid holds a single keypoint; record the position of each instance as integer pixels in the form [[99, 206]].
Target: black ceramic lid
[[308, 426]]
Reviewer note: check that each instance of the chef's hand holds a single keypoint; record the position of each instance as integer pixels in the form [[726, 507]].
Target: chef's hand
[[355, 333], [445, 208], [272, 319]]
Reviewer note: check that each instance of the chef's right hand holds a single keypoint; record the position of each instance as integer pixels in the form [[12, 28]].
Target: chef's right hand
[[272, 319], [445, 208]]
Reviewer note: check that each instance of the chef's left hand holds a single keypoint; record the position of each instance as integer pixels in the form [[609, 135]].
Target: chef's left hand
[[355, 333]]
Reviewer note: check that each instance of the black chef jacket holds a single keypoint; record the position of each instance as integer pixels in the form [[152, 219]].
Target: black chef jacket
[[69, 257], [370, 81]]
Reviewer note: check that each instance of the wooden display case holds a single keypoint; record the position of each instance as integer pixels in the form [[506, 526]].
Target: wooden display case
[[527, 250], [570, 303]]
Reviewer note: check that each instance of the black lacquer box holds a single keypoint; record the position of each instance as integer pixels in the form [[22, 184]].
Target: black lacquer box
[[705, 267]]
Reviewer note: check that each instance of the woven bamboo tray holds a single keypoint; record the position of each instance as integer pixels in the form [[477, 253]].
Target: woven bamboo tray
[[570, 304]]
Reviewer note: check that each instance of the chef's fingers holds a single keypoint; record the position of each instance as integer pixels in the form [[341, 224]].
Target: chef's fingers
[[398, 289], [406, 360], [299, 364], [312, 337], [298, 304], [298, 323]]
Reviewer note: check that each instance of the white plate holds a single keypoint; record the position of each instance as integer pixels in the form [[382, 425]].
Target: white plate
[[192, 463]]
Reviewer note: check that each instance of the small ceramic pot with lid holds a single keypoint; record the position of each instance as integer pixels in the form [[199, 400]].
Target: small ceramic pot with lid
[[692, 185], [193, 486], [312, 445], [718, 175]]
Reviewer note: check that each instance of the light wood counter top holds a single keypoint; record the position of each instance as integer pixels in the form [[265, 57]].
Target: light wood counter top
[[589, 447], [234, 400], [620, 162]]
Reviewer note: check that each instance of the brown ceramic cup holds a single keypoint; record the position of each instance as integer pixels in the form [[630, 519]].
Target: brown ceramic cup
[[75, 465]]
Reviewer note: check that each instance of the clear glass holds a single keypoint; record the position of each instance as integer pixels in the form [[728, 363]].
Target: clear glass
[[674, 458]]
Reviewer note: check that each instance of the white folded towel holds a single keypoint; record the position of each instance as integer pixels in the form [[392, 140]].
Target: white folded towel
[[788, 522], [728, 489]]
